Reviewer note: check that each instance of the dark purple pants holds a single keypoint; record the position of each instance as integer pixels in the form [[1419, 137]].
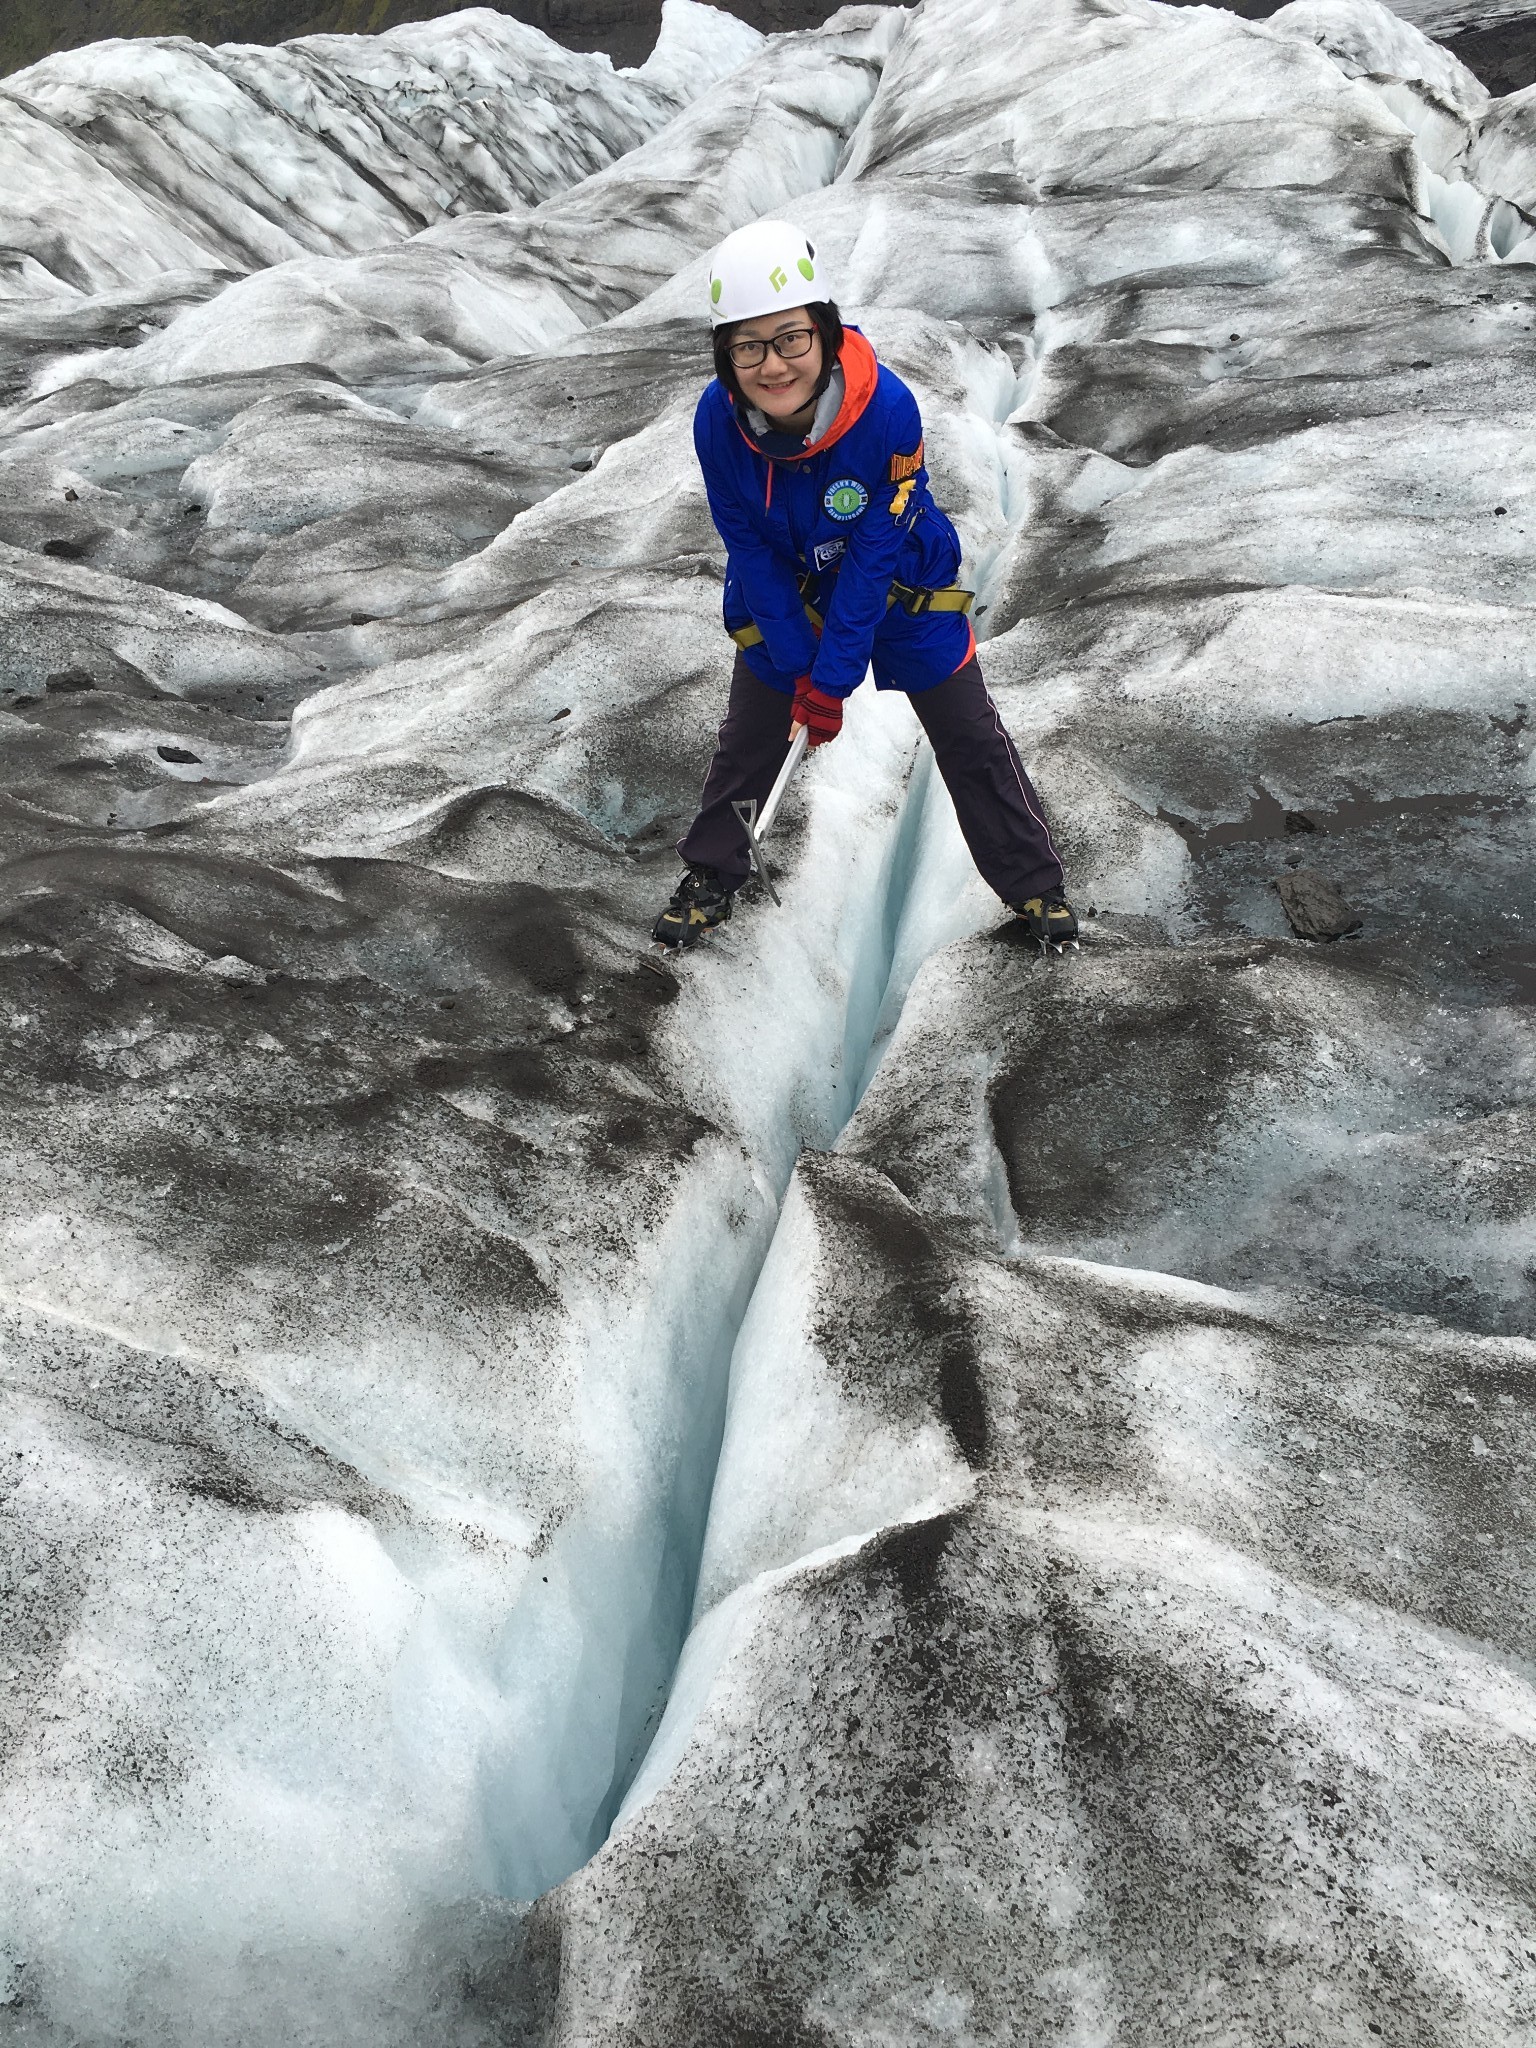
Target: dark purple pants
[[995, 802]]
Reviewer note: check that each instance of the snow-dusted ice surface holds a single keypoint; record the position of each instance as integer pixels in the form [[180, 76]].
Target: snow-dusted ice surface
[[242, 156], [855, 1487]]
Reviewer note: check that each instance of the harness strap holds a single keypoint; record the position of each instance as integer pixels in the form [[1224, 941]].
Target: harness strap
[[912, 601]]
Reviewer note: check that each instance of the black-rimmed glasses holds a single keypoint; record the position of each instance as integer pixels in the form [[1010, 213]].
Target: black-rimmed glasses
[[794, 341]]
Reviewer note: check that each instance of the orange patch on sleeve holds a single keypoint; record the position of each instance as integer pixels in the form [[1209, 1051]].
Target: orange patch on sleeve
[[904, 466]]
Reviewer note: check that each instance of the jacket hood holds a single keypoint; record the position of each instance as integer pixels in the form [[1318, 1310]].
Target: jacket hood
[[857, 361]]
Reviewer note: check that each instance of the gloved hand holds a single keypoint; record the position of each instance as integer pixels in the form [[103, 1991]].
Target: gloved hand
[[821, 715]]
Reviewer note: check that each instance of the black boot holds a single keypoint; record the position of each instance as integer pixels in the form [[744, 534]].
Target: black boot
[[1049, 919], [699, 902]]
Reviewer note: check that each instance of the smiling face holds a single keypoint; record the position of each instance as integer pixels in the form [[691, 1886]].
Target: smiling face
[[781, 388]]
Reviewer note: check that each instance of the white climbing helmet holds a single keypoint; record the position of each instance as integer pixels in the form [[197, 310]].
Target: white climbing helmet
[[762, 269]]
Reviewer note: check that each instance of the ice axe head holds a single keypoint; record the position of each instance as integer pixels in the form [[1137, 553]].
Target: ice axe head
[[747, 812]]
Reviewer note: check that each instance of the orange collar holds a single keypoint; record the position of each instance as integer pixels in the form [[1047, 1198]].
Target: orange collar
[[860, 370]]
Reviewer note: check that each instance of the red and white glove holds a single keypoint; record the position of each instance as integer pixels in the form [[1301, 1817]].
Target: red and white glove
[[821, 715]]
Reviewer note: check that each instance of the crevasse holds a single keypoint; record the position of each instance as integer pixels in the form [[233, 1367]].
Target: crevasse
[[886, 956], [781, 1009]]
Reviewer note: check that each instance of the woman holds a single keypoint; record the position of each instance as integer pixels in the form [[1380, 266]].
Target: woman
[[837, 558]]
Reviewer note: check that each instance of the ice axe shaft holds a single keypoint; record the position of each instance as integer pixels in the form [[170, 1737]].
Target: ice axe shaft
[[792, 760], [755, 823]]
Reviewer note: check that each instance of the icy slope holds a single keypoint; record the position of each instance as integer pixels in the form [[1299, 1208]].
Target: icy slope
[[1479, 167], [1083, 1651], [1110, 1616], [130, 157], [489, 285], [1189, 1696], [250, 468], [377, 1216]]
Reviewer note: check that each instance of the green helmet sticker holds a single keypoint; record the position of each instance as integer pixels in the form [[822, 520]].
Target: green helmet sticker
[[806, 268], [777, 278], [715, 289]]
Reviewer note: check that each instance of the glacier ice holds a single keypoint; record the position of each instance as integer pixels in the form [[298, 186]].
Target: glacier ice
[[243, 157], [1475, 162], [901, 1493], [1208, 1653], [477, 285]]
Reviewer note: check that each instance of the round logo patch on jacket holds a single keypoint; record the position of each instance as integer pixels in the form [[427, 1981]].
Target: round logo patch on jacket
[[846, 498]]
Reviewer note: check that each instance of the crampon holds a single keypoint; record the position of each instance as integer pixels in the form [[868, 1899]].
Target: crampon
[[1050, 921], [699, 903]]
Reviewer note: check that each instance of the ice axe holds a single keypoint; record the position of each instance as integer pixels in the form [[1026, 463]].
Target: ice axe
[[755, 823]]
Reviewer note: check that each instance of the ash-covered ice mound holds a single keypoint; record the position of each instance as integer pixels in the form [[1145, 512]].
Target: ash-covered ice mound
[[1110, 1618], [130, 157]]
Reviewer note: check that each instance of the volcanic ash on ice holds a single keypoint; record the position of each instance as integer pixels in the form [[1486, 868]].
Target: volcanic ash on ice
[[857, 1486]]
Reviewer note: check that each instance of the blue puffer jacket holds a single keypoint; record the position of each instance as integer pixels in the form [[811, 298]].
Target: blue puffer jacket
[[854, 509]]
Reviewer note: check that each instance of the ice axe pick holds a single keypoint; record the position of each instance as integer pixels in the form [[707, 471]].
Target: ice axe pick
[[757, 824]]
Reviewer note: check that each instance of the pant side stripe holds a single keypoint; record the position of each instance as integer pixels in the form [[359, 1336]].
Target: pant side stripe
[[1018, 778]]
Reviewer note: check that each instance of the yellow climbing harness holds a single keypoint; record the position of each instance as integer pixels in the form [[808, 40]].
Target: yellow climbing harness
[[912, 600]]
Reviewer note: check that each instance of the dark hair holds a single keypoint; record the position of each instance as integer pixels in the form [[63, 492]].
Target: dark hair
[[823, 316]]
